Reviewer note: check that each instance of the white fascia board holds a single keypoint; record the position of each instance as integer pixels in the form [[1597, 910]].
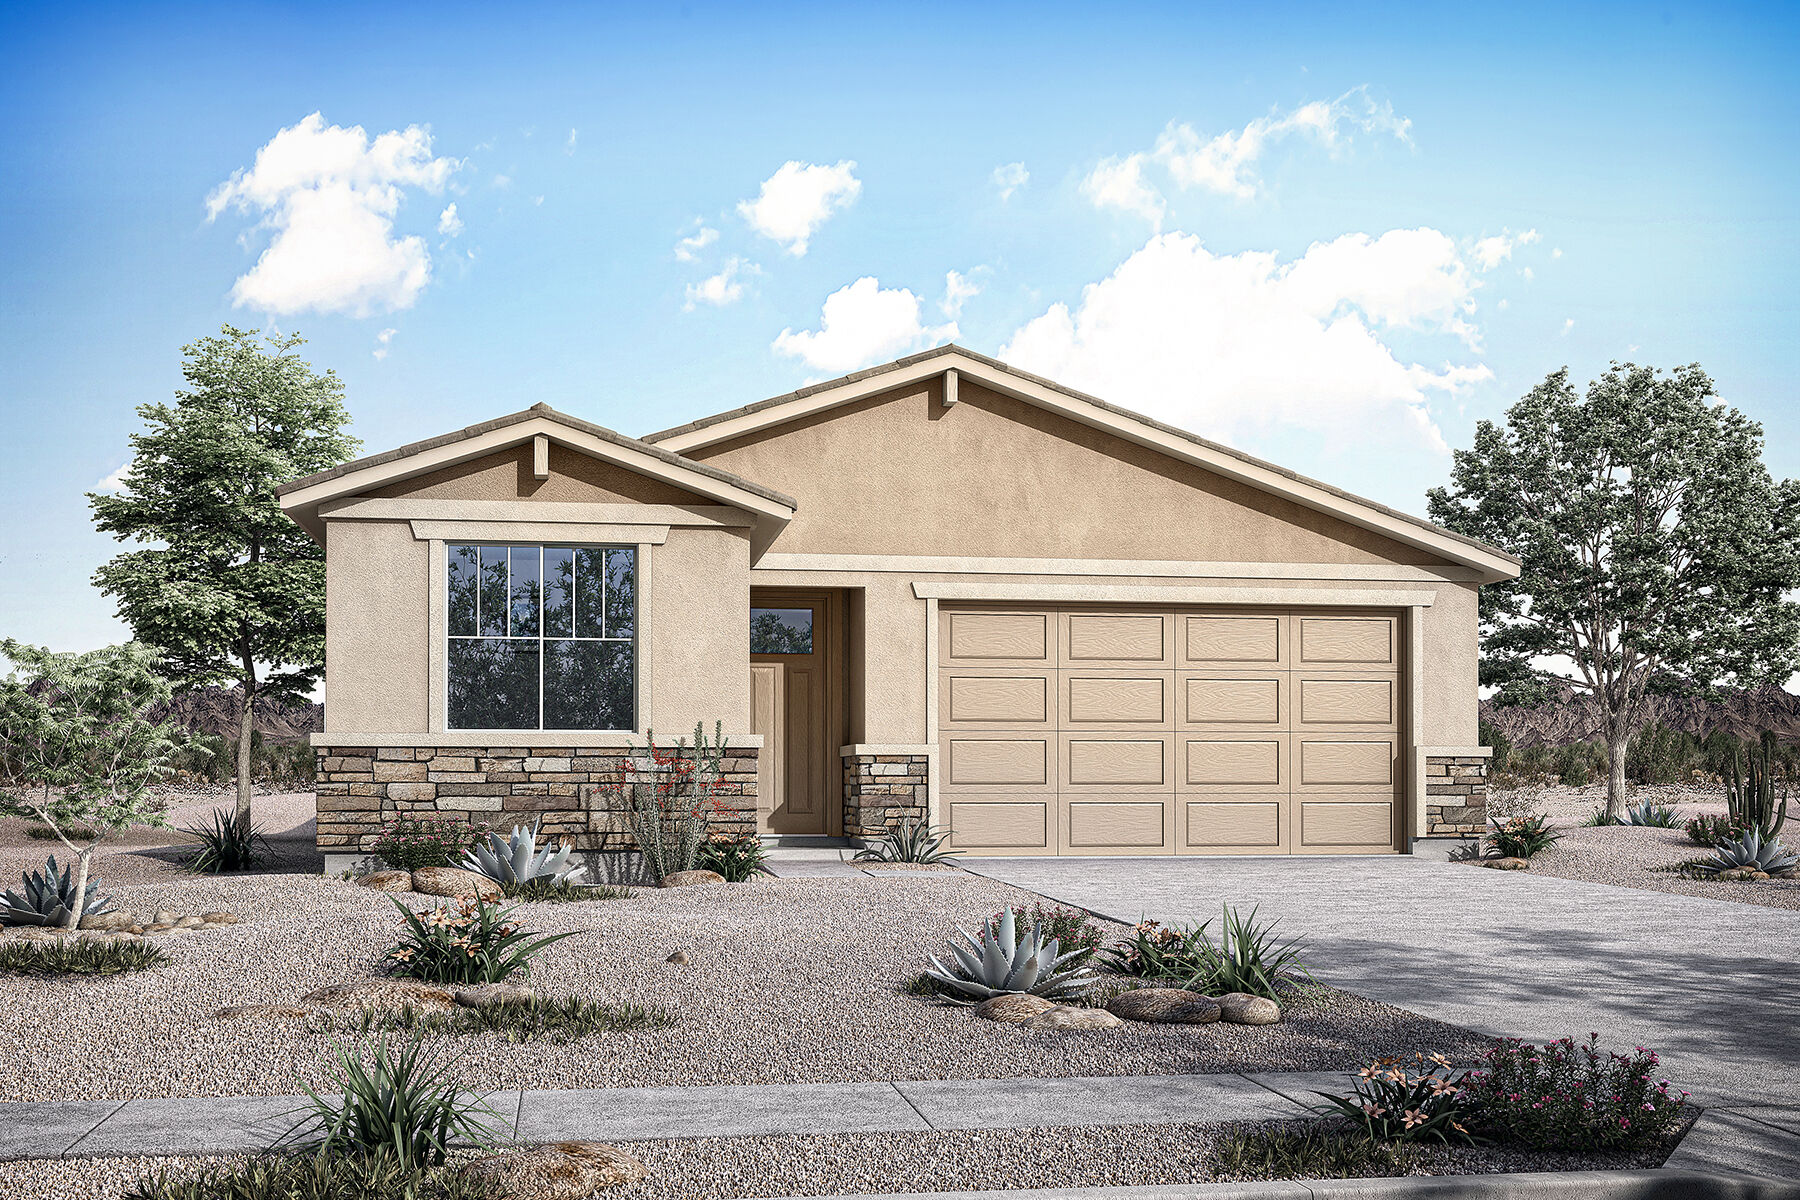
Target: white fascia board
[[1150, 593]]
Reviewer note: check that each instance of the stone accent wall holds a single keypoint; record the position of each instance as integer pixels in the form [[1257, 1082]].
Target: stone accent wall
[[1456, 796], [881, 789], [360, 788]]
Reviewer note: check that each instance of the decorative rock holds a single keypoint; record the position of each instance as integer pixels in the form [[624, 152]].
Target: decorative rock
[[263, 1012], [692, 878], [1759, 874], [123, 919], [491, 995], [1241, 1008], [220, 918], [679, 958], [43, 933], [562, 1171], [1164, 1006], [1014, 1009], [454, 881], [1506, 864], [188, 922], [388, 881], [382, 994], [1074, 1018]]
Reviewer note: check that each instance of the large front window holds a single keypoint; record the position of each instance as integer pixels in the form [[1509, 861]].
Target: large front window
[[542, 637]]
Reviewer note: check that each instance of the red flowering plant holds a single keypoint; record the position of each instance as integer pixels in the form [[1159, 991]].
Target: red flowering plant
[[1565, 1096], [1394, 1104], [669, 797], [407, 843], [476, 942]]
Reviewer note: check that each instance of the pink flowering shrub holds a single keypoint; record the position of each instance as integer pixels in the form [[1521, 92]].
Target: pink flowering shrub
[[1394, 1104], [474, 942], [407, 843], [1568, 1097]]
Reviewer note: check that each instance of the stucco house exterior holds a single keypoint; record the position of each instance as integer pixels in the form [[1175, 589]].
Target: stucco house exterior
[[939, 587]]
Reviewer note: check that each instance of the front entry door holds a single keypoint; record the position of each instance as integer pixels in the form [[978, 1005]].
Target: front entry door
[[791, 694]]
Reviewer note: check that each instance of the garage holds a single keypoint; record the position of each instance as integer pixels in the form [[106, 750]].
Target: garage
[[1086, 731]]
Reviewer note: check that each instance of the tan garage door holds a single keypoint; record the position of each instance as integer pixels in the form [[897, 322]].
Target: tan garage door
[[1169, 731]]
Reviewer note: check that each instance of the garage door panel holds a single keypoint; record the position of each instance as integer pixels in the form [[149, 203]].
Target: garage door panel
[[1369, 702], [988, 761], [1237, 700], [997, 698], [1116, 762], [1246, 762], [1346, 762], [1234, 640], [1346, 640], [981, 637], [1344, 824], [1101, 639], [1002, 824], [1116, 700], [1117, 825], [1232, 824]]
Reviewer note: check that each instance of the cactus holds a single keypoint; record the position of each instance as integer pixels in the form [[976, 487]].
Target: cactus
[[49, 895], [1750, 795]]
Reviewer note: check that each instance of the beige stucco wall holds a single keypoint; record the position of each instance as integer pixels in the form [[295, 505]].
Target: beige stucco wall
[[507, 475], [699, 632], [994, 476], [377, 626]]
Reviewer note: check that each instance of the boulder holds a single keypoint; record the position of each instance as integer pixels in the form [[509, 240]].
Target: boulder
[[388, 881], [1505, 864], [1063, 1017], [124, 919], [389, 995], [262, 1012], [1164, 1006], [220, 918], [1014, 1009], [488, 995], [1241, 1008], [692, 878], [189, 922], [560, 1171], [679, 958], [165, 917], [454, 881]]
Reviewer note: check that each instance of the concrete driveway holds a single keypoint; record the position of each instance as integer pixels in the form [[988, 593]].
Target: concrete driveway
[[1709, 984]]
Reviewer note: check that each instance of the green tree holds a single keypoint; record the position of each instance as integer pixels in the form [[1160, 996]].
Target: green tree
[[228, 589], [1656, 547], [79, 744]]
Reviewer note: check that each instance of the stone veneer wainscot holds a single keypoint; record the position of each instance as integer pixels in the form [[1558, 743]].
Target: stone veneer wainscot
[[1456, 796], [880, 790]]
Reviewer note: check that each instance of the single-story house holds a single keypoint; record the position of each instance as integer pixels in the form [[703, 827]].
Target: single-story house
[[940, 588]]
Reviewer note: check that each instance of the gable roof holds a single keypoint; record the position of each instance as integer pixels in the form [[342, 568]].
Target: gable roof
[[301, 498], [1493, 563]]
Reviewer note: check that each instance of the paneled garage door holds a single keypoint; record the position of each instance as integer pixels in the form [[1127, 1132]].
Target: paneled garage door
[[1169, 731]]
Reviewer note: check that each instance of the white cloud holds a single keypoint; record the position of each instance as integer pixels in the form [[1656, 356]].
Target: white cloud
[[449, 224], [958, 290], [1568, 324], [329, 196], [115, 482], [724, 288], [381, 343], [1490, 252], [503, 181], [1556, 253], [1232, 345], [799, 198], [688, 248], [863, 323], [1009, 178], [1119, 183], [569, 146]]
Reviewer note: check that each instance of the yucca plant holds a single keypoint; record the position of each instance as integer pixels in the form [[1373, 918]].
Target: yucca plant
[[1251, 959], [49, 897], [1750, 793], [909, 840], [1005, 962], [222, 844], [1756, 852], [517, 859]]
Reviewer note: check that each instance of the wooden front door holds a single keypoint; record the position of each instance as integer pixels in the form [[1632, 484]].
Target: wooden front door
[[794, 699]]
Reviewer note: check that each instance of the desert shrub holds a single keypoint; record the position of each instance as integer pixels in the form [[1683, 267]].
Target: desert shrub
[[472, 943], [736, 856], [1390, 1103], [1575, 764], [1532, 762], [1247, 958], [400, 1102], [1172, 954], [1565, 1096], [1522, 837], [1659, 754], [1598, 818], [407, 843], [1314, 1152], [1069, 926], [78, 956], [207, 756], [1493, 737], [555, 1021], [557, 891], [222, 845], [77, 833], [1522, 799], [311, 1177], [1710, 829], [669, 798]]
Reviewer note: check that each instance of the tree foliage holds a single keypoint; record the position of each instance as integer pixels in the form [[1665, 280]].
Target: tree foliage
[[225, 587], [1657, 549]]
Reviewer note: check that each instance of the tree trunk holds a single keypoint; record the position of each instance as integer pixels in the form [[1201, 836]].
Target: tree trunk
[[73, 921], [243, 763], [1618, 742]]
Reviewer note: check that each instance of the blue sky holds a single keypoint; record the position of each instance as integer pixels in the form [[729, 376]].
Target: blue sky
[[1334, 235]]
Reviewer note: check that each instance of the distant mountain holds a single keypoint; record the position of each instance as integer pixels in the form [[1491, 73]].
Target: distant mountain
[[1575, 718], [214, 711]]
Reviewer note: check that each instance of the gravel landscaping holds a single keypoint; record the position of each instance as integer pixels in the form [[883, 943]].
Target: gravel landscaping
[[787, 981], [963, 1160]]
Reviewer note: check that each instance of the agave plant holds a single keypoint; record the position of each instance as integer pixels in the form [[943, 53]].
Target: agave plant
[[1001, 962], [517, 859], [1659, 816], [1754, 851], [909, 841], [49, 897]]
